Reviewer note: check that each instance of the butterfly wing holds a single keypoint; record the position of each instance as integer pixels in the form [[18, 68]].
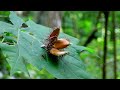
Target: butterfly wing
[[55, 32], [52, 38]]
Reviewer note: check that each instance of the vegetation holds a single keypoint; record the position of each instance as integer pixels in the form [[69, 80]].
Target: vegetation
[[93, 53]]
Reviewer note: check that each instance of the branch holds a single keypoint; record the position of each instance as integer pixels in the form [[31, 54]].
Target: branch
[[92, 35]]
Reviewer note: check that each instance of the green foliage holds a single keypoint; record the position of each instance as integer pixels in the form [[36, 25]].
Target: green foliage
[[16, 21], [25, 48], [79, 23]]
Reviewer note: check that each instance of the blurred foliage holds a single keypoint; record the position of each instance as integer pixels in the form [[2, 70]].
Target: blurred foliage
[[80, 24]]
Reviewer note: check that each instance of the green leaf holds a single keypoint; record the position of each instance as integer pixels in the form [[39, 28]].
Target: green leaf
[[6, 27], [90, 50], [12, 54], [37, 30], [17, 21], [67, 68], [82, 48], [42, 32], [28, 50], [78, 48]]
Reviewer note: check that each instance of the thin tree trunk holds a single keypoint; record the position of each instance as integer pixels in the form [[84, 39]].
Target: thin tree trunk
[[114, 44], [106, 14]]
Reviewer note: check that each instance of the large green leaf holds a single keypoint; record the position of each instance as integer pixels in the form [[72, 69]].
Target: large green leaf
[[67, 68], [6, 27], [17, 21], [28, 50], [37, 30], [42, 32], [12, 54]]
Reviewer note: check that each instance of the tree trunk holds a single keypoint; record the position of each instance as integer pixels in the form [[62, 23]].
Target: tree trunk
[[114, 44], [23, 13], [106, 14], [49, 18]]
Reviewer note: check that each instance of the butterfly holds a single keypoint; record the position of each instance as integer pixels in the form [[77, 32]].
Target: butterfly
[[54, 45]]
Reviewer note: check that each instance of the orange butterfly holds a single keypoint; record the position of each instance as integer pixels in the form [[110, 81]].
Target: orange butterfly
[[54, 45]]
